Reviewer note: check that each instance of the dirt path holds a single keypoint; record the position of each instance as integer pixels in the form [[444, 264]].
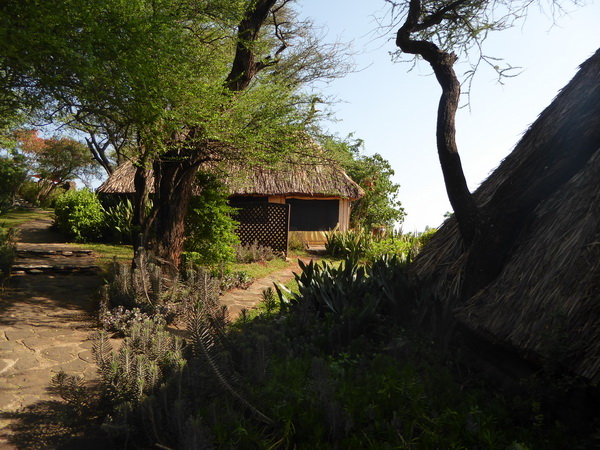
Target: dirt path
[[46, 324]]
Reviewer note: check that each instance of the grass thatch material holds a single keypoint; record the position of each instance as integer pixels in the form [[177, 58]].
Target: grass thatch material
[[315, 180], [545, 302]]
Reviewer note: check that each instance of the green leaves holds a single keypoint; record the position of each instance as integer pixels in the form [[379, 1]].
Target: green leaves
[[380, 205], [210, 228], [13, 174], [351, 298], [79, 215]]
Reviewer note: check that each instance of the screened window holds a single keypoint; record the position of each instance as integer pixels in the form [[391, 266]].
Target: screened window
[[313, 215]]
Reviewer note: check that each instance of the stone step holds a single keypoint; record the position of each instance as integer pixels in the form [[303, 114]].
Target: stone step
[[52, 258], [38, 268], [39, 252]]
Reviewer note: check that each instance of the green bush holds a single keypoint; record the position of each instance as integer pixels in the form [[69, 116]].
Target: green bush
[[118, 222], [79, 215], [12, 176], [353, 297], [147, 356], [254, 252], [351, 244], [361, 244], [296, 242], [210, 228]]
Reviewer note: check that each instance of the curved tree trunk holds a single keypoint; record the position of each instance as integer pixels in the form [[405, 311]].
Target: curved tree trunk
[[491, 232], [460, 197], [175, 173]]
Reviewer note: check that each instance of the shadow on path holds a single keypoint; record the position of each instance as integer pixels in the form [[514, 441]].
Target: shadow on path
[[46, 325]]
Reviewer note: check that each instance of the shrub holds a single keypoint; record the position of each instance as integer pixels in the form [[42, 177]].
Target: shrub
[[132, 296], [426, 235], [210, 229], [79, 215], [352, 244], [135, 295], [360, 244], [146, 358], [297, 243], [13, 174], [353, 297], [254, 252], [238, 279], [118, 222]]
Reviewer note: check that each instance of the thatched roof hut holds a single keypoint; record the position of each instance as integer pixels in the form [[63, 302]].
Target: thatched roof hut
[[319, 195], [313, 180], [545, 302]]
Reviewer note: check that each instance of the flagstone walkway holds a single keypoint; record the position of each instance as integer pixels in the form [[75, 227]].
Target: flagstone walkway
[[47, 322], [238, 299]]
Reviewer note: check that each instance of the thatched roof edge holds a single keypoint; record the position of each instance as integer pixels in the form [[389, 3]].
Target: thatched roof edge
[[315, 180]]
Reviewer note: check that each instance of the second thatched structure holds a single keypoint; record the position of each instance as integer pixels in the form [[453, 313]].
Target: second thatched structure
[[544, 304]]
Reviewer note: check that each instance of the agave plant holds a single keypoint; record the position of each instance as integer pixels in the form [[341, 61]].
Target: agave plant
[[352, 298], [351, 244]]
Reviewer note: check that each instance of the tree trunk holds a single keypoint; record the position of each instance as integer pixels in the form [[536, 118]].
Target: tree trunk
[[244, 66], [490, 232], [460, 197], [140, 222], [175, 171]]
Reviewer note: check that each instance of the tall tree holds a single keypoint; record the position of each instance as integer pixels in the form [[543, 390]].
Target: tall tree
[[55, 160], [185, 81], [261, 93], [439, 32]]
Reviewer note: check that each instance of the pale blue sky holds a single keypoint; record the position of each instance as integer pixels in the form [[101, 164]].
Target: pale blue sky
[[394, 110]]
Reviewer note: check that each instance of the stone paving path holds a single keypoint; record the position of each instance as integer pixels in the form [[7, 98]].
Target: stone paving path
[[238, 299], [46, 323]]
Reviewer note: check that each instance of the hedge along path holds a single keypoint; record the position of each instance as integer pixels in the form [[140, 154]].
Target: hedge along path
[[47, 323]]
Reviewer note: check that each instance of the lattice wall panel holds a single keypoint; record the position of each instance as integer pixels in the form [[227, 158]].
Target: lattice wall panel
[[265, 223]]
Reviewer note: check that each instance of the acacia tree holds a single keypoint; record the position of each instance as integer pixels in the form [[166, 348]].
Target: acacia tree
[[178, 82], [272, 57], [439, 32], [56, 159]]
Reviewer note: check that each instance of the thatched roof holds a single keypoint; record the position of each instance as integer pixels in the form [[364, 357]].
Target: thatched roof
[[314, 180], [545, 303]]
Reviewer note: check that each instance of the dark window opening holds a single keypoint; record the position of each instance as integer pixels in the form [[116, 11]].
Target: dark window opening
[[313, 215]]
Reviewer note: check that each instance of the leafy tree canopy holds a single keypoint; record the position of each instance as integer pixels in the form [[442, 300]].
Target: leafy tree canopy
[[56, 159], [380, 205], [139, 74]]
